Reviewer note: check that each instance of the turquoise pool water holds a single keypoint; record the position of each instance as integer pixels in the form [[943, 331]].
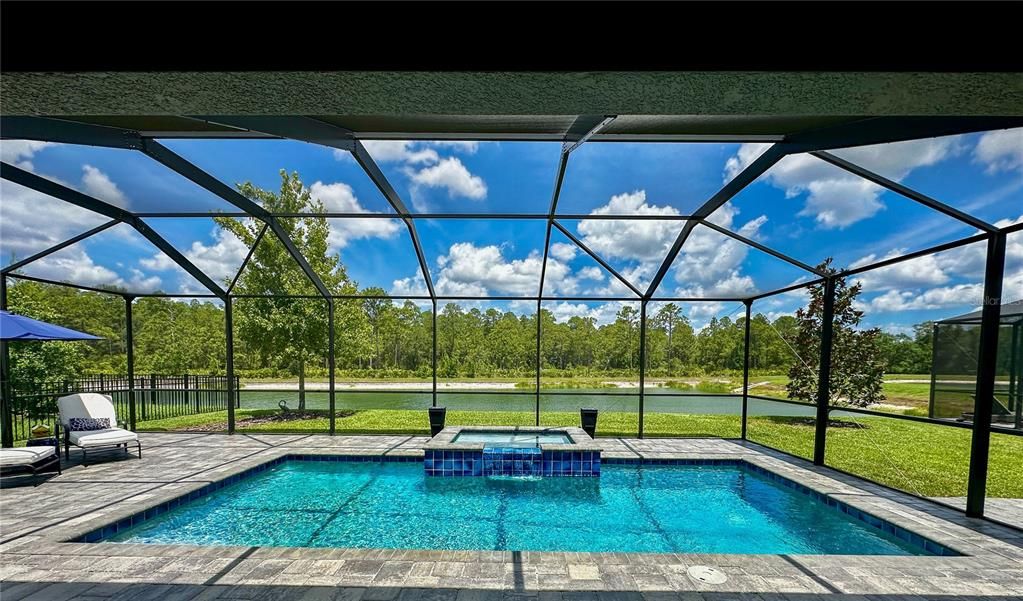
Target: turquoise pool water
[[512, 439], [656, 509]]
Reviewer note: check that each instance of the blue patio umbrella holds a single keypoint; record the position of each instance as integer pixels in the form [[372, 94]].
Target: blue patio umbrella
[[18, 327], [15, 328]]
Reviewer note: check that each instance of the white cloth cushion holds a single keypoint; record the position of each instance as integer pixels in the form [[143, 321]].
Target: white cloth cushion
[[86, 404], [25, 455], [93, 438]]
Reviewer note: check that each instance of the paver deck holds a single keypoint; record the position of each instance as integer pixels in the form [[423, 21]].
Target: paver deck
[[36, 564]]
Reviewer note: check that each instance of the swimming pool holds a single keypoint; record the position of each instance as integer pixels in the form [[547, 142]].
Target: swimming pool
[[723, 508], [512, 439]]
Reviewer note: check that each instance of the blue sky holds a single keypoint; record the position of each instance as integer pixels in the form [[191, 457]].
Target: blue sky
[[803, 207]]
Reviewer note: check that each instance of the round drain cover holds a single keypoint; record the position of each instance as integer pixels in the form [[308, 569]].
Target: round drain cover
[[707, 575]]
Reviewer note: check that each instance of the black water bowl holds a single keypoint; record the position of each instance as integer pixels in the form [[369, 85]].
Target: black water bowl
[[437, 415]]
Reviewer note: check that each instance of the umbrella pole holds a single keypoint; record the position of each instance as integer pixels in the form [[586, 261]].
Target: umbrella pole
[[6, 423]]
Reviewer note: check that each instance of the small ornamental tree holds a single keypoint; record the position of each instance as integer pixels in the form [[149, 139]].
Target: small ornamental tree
[[857, 368]]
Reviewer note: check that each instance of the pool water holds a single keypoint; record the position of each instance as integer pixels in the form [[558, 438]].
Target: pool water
[[630, 508], [512, 439]]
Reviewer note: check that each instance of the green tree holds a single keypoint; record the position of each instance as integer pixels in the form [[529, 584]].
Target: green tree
[[857, 369], [292, 331]]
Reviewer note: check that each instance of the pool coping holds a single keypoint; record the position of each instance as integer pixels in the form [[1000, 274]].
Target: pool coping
[[444, 440], [100, 533]]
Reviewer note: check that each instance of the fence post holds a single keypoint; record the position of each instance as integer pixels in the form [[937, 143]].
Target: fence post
[[824, 372], [980, 444], [130, 347], [6, 404], [152, 396]]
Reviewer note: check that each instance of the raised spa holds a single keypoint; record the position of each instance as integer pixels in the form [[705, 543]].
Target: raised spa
[[512, 439]]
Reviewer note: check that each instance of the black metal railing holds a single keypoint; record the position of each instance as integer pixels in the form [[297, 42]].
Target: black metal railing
[[156, 397]]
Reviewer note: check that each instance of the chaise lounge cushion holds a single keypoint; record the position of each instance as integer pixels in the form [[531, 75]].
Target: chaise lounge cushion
[[96, 438], [86, 404], [24, 455]]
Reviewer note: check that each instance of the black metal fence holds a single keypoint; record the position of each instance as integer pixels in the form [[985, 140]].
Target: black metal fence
[[156, 397]]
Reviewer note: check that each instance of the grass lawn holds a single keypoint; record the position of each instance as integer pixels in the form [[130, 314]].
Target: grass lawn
[[921, 458]]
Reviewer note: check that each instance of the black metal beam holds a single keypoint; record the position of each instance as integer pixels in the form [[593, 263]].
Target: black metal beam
[[61, 246], [46, 129], [229, 351], [433, 354], [745, 368], [642, 362], [559, 179], [744, 178], [421, 216], [129, 346], [824, 372], [597, 258], [539, 361], [170, 159], [60, 192], [294, 127], [330, 366], [761, 247], [987, 357], [909, 193], [6, 408], [884, 130], [581, 130], [248, 256], [371, 168]]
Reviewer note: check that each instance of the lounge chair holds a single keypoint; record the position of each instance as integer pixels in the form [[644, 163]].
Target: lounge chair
[[29, 460], [83, 409]]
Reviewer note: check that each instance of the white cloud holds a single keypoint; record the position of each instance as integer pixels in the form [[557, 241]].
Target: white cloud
[[31, 222], [562, 251], [450, 174], [468, 269], [591, 273], [340, 198], [411, 151], [74, 265], [639, 240], [925, 283], [98, 184], [834, 197], [404, 151], [20, 152], [427, 168], [471, 269], [934, 298], [923, 271], [745, 156], [1000, 150], [220, 260]]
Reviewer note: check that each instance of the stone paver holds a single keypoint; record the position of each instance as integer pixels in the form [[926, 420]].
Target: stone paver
[[36, 564]]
